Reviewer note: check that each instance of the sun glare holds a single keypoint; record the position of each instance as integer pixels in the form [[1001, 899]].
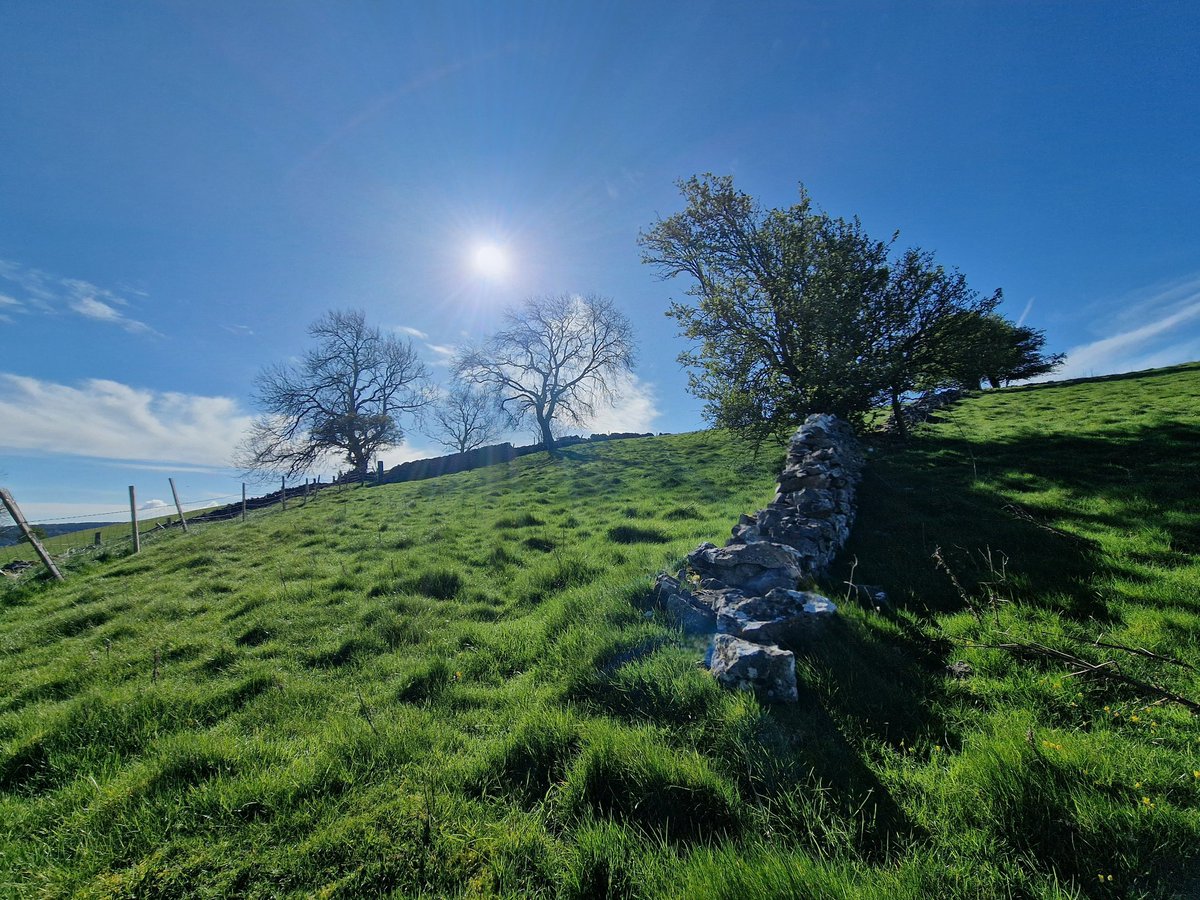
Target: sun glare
[[490, 261]]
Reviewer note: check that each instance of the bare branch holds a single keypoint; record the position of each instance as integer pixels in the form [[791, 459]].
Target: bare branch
[[553, 361], [464, 418], [344, 397]]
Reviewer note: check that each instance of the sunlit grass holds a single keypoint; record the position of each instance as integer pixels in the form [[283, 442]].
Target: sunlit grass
[[451, 688]]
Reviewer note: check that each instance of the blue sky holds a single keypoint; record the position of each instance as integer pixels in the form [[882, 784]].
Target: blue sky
[[184, 187]]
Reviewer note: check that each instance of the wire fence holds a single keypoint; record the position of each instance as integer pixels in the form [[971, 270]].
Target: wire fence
[[19, 562]]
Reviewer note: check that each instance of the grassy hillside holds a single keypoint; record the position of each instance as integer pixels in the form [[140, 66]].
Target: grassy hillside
[[447, 688]]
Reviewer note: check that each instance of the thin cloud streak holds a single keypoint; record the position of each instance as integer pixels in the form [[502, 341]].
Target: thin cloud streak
[[52, 295], [444, 353], [91, 308], [1025, 313], [1169, 309]]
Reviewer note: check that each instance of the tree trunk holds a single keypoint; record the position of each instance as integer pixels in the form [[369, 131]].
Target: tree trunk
[[547, 434], [898, 415]]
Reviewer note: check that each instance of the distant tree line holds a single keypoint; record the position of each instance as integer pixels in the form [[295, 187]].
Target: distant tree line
[[555, 361], [796, 311]]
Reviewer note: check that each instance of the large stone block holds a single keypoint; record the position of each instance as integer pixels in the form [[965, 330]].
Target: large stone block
[[768, 671], [791, 618], [754, 567], [683, 607]]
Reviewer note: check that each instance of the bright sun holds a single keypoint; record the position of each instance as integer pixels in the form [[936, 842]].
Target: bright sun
[[490, 261]]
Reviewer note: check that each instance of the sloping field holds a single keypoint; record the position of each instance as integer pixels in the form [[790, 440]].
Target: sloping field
[[448, 688]]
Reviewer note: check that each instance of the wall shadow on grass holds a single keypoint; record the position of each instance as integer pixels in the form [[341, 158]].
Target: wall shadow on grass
[[964, 497], [802, 762]]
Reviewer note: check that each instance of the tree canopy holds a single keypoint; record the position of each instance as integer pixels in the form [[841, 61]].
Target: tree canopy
[[344, 396], [554, 360], [1000, 352], [796, 311]]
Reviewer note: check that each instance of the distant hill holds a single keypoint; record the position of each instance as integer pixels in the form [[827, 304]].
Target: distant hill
[[11, 534]]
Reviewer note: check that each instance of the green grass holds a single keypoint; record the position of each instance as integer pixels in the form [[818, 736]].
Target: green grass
[[449, 688]]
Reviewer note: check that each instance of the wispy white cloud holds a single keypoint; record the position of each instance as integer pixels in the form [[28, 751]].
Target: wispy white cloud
[[153, 505], [1160, 327], [53, 294], [635, 409], [624, 182], [239, 330], [406, 452], [91, 308], [104, 419], [443, 353], [412, 332]]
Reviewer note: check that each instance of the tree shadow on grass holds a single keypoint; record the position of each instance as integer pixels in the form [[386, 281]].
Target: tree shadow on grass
[[947, 492]]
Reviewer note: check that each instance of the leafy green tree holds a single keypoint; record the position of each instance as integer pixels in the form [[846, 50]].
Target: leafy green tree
[[918, 327], [998, 352], [798, 312], [780, 327]]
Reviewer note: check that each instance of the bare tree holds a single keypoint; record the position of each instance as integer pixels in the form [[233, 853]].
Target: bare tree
[[343, 396], [464, 418], [553, 361]]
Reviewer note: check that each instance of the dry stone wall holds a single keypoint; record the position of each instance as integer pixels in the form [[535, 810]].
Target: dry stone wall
[[746, 593]]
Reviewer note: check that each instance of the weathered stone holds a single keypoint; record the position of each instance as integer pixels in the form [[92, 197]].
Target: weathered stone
[[717, 598], [811, 502], [769, 672], [683, 607], [755, 567], [804, 475], [790, 618]]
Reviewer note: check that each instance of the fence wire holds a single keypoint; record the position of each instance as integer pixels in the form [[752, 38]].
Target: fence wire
[[114, 540]]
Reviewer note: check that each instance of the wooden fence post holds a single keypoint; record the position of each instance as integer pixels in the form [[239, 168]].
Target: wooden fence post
[[15, 511], [243, 501], [179, 509], [137, 538], [283, 491]]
